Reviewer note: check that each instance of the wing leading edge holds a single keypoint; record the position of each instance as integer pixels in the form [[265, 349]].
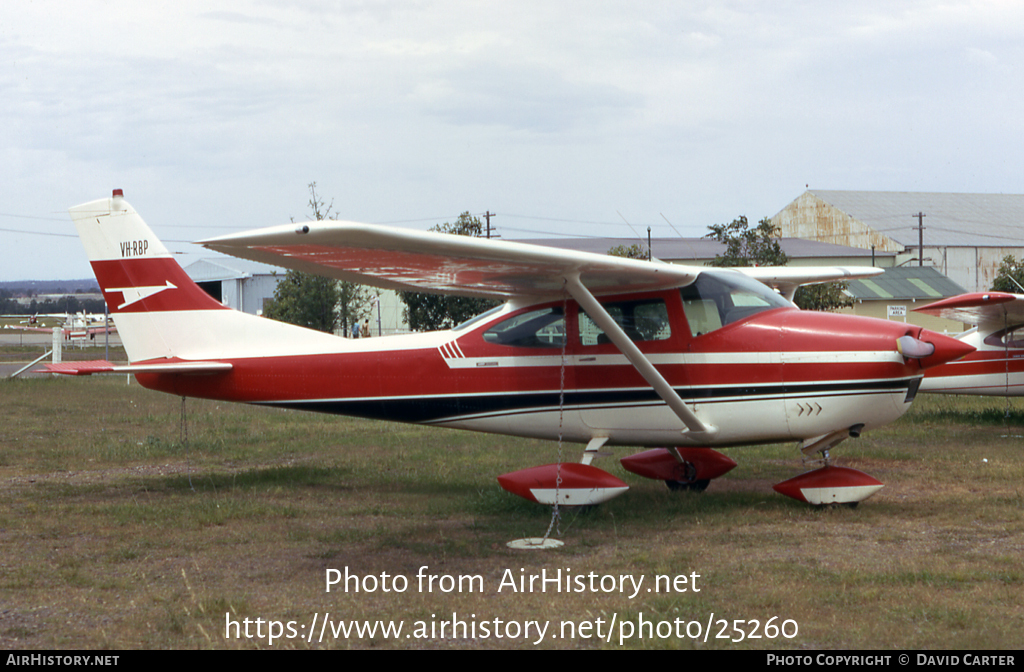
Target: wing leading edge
[[426, 261]]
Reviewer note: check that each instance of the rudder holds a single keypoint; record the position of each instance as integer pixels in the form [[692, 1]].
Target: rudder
[[161, 314], [136, 273]]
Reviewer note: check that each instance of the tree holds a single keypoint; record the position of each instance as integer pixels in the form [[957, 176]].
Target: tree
[[760, 247], [827, 296], [634, 251], [306, 300], [429, 312], [748, 247], [1010, 277], [315, 301]]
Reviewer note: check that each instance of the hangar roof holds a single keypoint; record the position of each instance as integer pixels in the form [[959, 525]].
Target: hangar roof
[[905, 283], [956, 220]]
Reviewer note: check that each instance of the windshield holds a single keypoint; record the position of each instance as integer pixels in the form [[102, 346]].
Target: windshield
[[717, 299]]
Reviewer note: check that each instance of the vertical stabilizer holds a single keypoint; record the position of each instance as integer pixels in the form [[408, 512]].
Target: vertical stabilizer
[[159, 311], [138, 276]]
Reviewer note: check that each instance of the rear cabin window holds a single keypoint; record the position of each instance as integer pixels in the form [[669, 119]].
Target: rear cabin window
[[544, 328], [642, 320]]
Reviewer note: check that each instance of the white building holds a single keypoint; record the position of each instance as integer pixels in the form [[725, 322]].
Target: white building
[[237, 283], [247, 285]]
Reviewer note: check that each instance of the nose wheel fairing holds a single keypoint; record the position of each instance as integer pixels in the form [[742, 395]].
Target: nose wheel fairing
[[830, 485]]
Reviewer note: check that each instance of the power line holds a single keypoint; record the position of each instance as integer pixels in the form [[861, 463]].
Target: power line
[[49, 219], [557, 234], [40, 233]]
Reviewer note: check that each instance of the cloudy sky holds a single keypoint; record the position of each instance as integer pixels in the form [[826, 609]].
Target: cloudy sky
[[562, 117]]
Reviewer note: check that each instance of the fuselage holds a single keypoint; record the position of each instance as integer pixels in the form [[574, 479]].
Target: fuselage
[[761, 372]]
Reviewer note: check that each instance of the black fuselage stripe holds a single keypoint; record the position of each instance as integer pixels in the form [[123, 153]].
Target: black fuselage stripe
[[434, 410]]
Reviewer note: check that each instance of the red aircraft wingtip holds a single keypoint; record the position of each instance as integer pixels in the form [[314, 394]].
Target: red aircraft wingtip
[[972, 300]]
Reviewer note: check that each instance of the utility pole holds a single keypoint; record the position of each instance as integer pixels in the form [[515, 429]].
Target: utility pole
[[487, 216], [920, 238]]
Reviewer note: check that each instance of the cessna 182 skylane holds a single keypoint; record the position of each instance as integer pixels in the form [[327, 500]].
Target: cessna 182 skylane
[[592, 349]]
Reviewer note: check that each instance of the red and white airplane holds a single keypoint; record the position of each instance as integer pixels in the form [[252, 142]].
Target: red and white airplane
[[588, 348], [996, 368]]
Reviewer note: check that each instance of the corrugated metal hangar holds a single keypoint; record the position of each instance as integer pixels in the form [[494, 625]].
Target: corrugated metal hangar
[[964, 236]]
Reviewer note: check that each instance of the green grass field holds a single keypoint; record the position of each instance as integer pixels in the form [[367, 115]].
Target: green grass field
[[116, 533]]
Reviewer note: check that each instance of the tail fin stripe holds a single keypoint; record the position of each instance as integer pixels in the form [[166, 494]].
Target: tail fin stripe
[[150, 285]]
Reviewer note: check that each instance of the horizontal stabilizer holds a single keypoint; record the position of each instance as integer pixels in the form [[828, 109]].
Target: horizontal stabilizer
[[102, 366], [78, 368]]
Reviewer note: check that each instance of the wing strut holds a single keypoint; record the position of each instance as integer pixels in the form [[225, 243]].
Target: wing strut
[[694, 427]]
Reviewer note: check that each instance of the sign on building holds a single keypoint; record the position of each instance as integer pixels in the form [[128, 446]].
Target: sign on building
[[897, 311]]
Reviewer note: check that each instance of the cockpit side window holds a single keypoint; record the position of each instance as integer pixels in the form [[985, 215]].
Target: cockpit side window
[[714, 300], [543, 328]]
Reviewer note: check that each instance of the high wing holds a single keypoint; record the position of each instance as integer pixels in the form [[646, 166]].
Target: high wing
[[987, 310], [786, 279], [427, 261]]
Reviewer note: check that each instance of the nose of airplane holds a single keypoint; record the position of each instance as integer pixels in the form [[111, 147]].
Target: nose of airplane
[[931, 348]]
